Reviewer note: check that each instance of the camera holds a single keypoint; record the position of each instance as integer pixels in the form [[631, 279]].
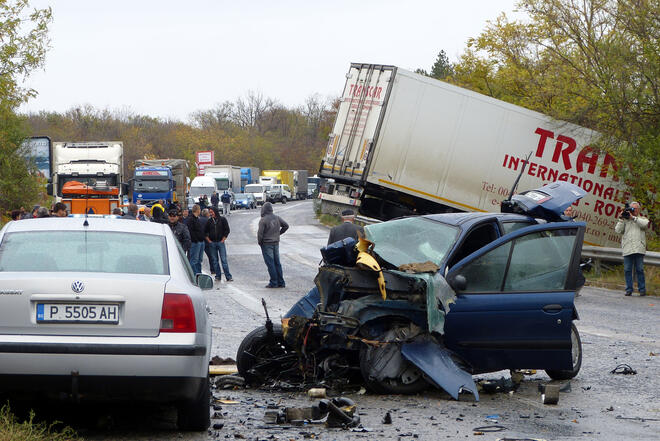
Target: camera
[[627, 211]]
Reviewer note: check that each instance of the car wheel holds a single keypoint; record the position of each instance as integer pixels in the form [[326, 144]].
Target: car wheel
[[195, 415], [576, 356], [256, 354], [404, 377], [284, 199]]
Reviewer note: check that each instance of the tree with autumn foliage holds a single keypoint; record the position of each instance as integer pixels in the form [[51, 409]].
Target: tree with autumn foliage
[[23, 45]]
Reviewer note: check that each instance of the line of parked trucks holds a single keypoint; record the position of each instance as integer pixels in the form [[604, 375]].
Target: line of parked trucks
[[267, 185], [87, 177]]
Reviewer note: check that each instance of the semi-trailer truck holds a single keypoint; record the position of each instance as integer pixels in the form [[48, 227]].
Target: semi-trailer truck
[[87, 176], [156, 179], [403, 144]]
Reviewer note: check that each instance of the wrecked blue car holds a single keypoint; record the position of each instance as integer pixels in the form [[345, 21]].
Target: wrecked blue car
[[435, 299]]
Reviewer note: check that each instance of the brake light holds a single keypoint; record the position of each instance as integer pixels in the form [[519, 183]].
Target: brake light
[[178, 314]]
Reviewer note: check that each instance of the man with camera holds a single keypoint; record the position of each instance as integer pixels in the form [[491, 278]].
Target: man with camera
[[632, 226]]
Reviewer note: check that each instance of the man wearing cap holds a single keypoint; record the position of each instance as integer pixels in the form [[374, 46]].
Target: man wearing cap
[[346, 229], [179, 230]]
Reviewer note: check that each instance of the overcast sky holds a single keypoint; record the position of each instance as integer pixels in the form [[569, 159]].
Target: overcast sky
[[169, 58]]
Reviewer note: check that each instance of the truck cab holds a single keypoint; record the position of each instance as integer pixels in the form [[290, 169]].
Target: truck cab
[[87, 176], [153, 183], [279, 193]]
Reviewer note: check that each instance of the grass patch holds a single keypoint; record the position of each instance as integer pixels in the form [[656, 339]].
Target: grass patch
[[329, 220], [613, 278], [29, 430]]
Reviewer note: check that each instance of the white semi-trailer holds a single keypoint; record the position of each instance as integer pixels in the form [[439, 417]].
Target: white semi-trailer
[[228, 177], [404, 143]]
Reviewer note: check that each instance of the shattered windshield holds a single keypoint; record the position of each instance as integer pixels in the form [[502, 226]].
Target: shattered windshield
[[410, 240]]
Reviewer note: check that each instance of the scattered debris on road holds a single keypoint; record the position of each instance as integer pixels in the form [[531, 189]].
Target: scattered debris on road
[[623, 369]]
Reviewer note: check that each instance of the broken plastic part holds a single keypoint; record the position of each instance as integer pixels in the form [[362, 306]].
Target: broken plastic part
[[436, 362], [367, 261]]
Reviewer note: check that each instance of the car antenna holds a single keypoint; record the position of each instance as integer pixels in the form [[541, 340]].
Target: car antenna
[[506, 206], [522, 170]]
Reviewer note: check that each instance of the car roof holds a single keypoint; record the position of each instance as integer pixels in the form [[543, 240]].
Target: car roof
[[466, 219], [94, 224]]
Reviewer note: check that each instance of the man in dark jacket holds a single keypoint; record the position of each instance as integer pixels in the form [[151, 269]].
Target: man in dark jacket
[[226, 203], [179, 230], [196, 254], [216, 232], [271, 226], [215, 199], [158, 216], [346, 229]]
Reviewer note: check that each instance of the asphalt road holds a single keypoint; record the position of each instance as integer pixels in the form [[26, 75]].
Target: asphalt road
[[599, 406]]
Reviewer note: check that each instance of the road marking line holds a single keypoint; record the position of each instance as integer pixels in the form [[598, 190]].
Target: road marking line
[[251, 303], [298, 258]]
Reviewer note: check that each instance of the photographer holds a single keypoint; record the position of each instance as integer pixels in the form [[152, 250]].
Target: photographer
[[633, 245]]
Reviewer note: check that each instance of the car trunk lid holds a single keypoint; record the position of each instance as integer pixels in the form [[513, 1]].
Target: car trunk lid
[[98, 304]]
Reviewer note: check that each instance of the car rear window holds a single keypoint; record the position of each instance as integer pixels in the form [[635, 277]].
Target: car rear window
[[84, 251]]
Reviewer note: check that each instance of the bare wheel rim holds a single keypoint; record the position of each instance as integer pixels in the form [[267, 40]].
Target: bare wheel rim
[[575, 348]]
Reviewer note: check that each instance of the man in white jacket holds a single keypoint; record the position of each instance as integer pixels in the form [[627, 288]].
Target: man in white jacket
[[633, 245]]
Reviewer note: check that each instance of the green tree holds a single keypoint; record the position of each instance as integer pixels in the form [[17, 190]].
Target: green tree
[[23, 45], [442, 68], [595, 63]]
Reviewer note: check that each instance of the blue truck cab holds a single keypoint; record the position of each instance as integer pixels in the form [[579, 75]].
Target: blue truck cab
[[153, 183]]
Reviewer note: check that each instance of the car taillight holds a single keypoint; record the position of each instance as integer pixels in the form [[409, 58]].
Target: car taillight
[[178, 314]]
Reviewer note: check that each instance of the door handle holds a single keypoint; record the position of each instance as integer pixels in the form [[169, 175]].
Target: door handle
[[552, 308]]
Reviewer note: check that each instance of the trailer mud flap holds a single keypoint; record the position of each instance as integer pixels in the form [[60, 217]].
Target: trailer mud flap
[[435, 361]]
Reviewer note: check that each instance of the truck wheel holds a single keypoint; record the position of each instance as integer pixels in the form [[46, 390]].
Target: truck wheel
[[385, 371], [284, 199], [195, 415], [576, 356]]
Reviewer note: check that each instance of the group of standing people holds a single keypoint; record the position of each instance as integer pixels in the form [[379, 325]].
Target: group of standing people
[[216, 199], [58, 209], [198, 231]]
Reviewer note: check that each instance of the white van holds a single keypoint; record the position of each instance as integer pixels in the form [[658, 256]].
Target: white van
[[203, 185], [260, 192]]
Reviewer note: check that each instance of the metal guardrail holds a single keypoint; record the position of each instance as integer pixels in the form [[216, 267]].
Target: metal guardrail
[[602, 254]]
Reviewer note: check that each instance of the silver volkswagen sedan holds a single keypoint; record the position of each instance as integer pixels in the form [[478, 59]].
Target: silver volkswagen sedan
[[103, 309]]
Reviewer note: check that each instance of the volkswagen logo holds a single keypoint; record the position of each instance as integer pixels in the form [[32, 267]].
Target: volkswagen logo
[[77, 286]]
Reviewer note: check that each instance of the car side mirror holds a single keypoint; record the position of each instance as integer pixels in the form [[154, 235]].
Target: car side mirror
[[204, 281], [49, 189], [458, 283]]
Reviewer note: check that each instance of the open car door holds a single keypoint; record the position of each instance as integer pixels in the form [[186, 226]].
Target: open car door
[[514, 304]]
